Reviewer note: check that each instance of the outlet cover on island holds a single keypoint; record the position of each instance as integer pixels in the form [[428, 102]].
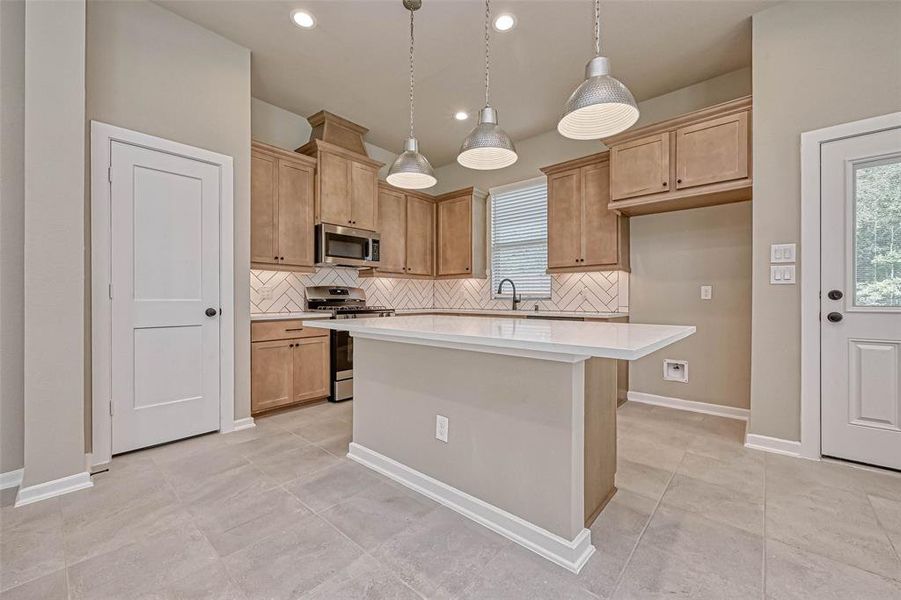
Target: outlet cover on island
[[441, 426]]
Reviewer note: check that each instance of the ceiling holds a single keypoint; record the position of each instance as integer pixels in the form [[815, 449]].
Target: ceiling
[[354, 62]]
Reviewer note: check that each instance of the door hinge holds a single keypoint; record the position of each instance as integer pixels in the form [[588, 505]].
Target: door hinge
[[111, 408], [110, 288], [109, 173]]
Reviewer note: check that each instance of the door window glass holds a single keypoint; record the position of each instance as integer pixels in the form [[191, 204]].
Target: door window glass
[[877, 233]]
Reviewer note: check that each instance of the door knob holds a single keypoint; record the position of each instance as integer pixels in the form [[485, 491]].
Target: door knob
[[835, 294], [210, 312], [835, 317]]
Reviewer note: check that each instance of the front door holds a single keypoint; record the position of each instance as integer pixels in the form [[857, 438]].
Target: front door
[[165, 297], [861, 298]]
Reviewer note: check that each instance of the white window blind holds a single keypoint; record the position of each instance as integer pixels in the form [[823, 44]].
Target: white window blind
[[519, 239]]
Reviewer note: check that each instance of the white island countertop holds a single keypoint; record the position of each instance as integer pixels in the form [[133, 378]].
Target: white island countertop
[[624, 341]]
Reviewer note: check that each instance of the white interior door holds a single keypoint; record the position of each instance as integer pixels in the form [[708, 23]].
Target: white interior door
[[861, 298], [165, 289]]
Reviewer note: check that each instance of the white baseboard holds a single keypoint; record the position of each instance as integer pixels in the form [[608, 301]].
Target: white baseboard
[[11, 479], [51, 489], [774, 445], [245, 423], [730, 412], [571, 555]]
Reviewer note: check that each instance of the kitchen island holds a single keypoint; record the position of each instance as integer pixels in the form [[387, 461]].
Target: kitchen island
[[530, 408]]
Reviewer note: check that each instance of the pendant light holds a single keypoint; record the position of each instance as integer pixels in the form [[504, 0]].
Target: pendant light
[[411, 170], [601, 106], [487, 146]]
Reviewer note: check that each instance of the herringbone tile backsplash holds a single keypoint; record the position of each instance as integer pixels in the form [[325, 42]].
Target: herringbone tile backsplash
[[276, 291]]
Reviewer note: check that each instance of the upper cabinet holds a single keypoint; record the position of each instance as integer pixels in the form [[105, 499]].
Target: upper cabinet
[[347, 186], [282, 209], [584, 234], [461, 234], [698, 159], [406, 224]]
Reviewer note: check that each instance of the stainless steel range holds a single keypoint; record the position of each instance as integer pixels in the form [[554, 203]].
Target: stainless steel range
[[342, 303]]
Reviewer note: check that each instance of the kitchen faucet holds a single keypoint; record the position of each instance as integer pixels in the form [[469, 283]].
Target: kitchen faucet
[[516, 299]]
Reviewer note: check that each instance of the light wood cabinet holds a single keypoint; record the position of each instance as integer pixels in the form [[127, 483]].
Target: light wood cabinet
[[289, 364], [282, 205], [347, 186], [698, 159], [392, 231], [420, 236], [584, 234], [712, 151], [461, 234], [642, 167]]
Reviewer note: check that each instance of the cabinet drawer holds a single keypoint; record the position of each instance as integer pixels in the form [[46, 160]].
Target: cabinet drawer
[[261, 331]]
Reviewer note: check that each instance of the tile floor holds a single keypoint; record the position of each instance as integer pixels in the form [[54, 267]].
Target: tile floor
[[277, 512]]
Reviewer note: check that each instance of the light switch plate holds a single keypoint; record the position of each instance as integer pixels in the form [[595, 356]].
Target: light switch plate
[[706, 292], [782, 274], [783, 253]]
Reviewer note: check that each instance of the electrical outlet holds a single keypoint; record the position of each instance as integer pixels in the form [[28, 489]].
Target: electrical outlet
[[441, 426], [265, 292], [706, 292]]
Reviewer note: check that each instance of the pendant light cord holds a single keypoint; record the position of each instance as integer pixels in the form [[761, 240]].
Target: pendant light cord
[[487, 53], [597, 27], [411, 73]]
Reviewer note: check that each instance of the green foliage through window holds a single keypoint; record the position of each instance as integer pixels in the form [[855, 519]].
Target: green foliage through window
[[877, 235]]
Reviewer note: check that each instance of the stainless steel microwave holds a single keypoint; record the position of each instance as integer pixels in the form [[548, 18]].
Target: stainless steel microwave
[[346, 247]]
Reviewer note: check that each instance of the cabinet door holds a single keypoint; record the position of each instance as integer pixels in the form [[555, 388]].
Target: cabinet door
[[420, 235], [270, 374], [455, 236], [640, 167], [263, 208], [393, 231], [295, 214], [713, 151], [363, 196], [311, 368], [334, 189], [564, 219], [600, 230]]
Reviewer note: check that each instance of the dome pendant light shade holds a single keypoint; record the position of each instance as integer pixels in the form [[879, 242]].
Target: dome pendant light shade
[[411, 170], [487, 146], [601, 106]]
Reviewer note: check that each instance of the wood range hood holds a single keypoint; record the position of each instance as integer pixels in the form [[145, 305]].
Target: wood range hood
[[330, 128]]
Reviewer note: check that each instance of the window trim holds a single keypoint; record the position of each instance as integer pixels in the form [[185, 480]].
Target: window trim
[[489, 250]]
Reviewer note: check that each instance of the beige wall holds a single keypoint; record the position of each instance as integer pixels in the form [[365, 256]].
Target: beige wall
[[154, 72], [673, 254], [815, 64], [550, 147], [284, 129], [54, 240], [12, 225]]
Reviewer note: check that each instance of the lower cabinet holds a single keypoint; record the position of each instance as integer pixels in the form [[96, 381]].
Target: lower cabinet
[[287, 371]]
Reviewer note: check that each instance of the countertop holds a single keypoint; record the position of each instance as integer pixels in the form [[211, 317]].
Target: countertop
[[289, 315], [512, 313], [624, 341]]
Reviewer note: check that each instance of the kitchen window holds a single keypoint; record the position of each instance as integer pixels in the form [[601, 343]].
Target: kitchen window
[[519, 239]]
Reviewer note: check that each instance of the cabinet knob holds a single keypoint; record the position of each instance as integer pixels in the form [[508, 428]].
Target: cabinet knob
[[665, 184], [678, 181], [274, 258], [281, 258]]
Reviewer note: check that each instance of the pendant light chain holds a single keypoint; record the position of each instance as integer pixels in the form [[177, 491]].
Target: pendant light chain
[[487, 53], [597, 27], [411, 73]]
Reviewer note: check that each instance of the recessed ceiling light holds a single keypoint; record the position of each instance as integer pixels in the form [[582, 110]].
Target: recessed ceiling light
[[303, 19], [461, 115], [505, 22]]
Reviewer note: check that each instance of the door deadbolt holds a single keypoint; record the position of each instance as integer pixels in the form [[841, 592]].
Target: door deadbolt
[[835, 294]]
